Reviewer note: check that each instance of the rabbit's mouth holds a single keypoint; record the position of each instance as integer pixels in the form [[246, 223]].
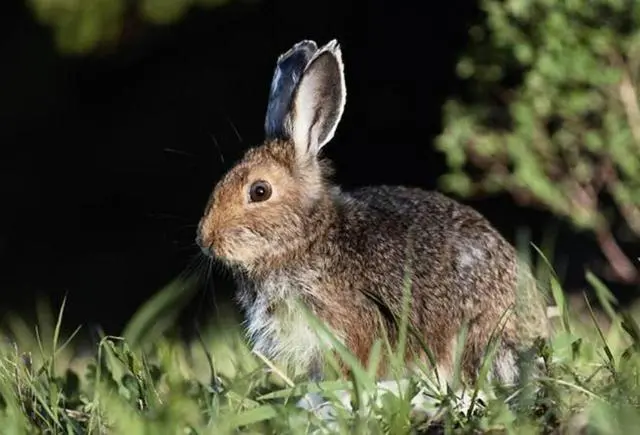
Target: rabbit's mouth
[[235, 247], [220, 244]]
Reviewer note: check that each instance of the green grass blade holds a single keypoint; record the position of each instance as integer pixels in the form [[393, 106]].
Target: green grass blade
[[159, 313], [605, 297], [249, 417]]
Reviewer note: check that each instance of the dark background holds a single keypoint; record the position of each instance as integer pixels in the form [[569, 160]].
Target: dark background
[[107, 160]]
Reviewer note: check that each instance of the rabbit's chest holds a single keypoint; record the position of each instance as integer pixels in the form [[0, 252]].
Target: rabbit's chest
[[277, 324]]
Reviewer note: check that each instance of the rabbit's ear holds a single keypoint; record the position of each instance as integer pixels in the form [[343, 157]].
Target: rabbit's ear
[[286, 76], [318, 101]]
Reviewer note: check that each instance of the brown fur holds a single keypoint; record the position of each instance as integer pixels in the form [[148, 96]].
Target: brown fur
[[461, 270], [345, 256]]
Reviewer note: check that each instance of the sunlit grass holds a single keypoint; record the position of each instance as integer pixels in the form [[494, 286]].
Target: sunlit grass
[[147, 382]]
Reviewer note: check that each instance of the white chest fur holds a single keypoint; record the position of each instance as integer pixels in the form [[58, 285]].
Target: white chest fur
[[279, 327]]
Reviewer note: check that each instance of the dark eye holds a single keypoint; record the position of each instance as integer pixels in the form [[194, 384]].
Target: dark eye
[[260, 191]]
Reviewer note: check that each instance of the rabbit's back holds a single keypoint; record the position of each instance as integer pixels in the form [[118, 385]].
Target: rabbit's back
[[449, 246], [459, 267]]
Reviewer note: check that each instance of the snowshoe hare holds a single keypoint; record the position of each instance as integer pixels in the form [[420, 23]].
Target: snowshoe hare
[[291, 236]]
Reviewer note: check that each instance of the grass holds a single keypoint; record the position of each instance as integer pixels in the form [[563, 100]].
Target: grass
[[146, 382]]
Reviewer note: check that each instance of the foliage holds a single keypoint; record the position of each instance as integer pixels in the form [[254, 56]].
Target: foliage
[[552, 116], [81, 26], [143, 383]]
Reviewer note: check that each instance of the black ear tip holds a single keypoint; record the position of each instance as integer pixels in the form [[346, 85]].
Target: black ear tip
[[289, 69], [306, 47], [332, 45], [334, 48], [307, 44]]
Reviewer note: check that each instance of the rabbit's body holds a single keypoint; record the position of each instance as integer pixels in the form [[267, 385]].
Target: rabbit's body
[[292, 237], [375, 241]]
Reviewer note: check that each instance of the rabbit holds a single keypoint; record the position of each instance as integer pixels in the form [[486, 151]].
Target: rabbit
[[293, 238]]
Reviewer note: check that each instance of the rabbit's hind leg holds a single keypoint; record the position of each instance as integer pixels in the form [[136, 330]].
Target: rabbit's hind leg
[[323, 408], [433, 395], [505, 368]]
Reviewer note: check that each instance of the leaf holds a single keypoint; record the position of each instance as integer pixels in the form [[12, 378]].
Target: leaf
[[159, 313], [605, 297], [249, 417]]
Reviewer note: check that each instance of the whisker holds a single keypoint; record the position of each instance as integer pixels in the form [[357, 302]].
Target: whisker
[[180, 152], [168, 216], [182, 248], [235, 130], [212, 287], [206, 286], [215, 141], [192, 266]]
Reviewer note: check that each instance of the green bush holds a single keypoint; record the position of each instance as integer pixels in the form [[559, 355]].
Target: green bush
[[551, 115]]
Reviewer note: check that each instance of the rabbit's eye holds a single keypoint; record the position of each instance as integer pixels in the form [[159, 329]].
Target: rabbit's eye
[[260, 191]]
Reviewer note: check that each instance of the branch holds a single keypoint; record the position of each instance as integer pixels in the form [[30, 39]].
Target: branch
[[621, 266], [628, 96], [587, 196]]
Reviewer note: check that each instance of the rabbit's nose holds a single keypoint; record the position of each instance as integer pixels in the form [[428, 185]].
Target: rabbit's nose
[[206, 248]]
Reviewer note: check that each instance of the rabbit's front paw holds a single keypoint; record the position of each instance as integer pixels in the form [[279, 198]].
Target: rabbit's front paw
[[322, 408]]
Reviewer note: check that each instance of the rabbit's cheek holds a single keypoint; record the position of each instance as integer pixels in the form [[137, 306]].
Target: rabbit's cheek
[[239, 245]]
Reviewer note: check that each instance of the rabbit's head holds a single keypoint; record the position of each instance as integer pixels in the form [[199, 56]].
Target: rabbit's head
[[275, 200]]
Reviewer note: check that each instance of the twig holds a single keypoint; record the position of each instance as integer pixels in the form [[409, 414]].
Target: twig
[[620, 263], [277, 371], [629, 98]]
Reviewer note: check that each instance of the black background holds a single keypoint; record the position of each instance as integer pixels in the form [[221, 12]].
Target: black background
[[107, 160]]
